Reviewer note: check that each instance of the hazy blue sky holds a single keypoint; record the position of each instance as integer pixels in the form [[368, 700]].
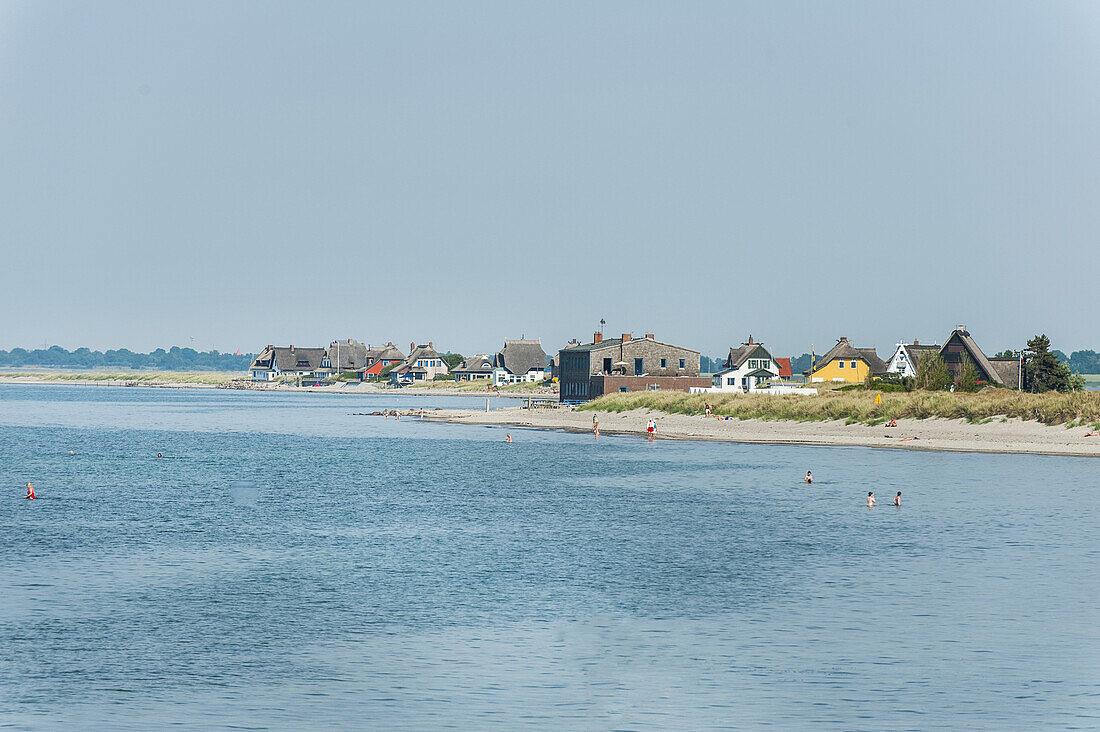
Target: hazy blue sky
[[246, 173]]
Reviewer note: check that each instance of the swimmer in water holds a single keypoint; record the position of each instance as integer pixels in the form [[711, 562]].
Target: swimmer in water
[[508, 437], [159, 455], [30, 492], [71, 452], [897, 499], [870, 499], [809, 477]]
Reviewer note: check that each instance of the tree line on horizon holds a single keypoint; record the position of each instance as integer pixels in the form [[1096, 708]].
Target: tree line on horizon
[[173, 359]]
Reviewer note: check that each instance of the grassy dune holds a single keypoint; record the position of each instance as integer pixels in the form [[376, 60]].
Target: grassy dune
[[1068, 409]]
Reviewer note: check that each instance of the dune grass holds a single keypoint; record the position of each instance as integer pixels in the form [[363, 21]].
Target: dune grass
[[859, 407]]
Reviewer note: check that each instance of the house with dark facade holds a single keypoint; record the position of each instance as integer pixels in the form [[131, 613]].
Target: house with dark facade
[[960, 346], [626, 364], [278, 362]]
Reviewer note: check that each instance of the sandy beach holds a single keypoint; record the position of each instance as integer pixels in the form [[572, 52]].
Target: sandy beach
[[1009, 436]]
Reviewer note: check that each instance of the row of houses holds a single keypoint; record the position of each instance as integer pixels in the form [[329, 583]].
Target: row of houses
[[845, 362], [626, 364], [519, 360]]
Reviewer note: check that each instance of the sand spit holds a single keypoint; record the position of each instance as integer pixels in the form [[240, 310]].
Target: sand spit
[[1009, 436]]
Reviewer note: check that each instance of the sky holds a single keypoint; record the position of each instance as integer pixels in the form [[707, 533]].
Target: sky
[[228, 175]]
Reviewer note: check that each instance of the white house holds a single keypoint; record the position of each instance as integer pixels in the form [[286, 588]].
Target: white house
[[276, 361], [520, 360], [747, 367], [906, 356], [475, 367]]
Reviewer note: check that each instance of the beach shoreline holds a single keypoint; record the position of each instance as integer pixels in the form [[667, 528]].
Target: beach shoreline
[[1011, 436]]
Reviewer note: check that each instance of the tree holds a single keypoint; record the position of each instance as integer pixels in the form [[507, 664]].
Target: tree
[[453, 359], [967, 380], [1042, 369], [932, 373]]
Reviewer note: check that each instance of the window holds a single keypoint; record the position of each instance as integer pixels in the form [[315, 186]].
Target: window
[[607, 365], [622, 388], [654, 387], [840, 364], [853, 364], [731, 381], [683, 363], [664, 363], [638, 370]]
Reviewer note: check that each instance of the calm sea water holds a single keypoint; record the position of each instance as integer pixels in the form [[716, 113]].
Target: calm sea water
[[288, 564]]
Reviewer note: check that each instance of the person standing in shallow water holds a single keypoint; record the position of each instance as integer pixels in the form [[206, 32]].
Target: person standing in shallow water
[[897, 499], [30, 492], [870, 499], [809, 477]]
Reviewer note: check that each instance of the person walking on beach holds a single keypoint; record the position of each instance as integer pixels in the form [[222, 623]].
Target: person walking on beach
[[870, 499], [30, 492], [897, 499], [651, 428], [809, 477]]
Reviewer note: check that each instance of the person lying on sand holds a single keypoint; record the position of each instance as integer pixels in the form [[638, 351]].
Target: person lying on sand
[[1092, 434], [892, 423]]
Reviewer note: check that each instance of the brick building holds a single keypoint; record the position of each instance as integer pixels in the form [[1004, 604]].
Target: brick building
[[626, 364]]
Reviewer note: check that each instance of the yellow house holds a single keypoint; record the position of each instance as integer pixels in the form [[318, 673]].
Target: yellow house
[[845, 362]]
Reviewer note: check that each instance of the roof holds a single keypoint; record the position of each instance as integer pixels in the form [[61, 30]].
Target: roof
[[1008, 368], [480, 364], [760, 373], [421, 351], [975, 353], [520, 356], [289, 359], [845, 350], [784, 365], [352, 355], [745, 351], [594, 346], [616, 342], [388, 352]]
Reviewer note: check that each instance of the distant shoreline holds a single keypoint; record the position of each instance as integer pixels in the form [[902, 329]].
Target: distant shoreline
[[211, 380], [1012, 436]]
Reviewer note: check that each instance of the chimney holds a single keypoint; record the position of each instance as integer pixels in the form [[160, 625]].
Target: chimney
[[960, 328], [412, 347], [626, 337], [292, 348], [430, 345], [916, 342], [750, 340], [597, 337], [650, 336], [843, 339]]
